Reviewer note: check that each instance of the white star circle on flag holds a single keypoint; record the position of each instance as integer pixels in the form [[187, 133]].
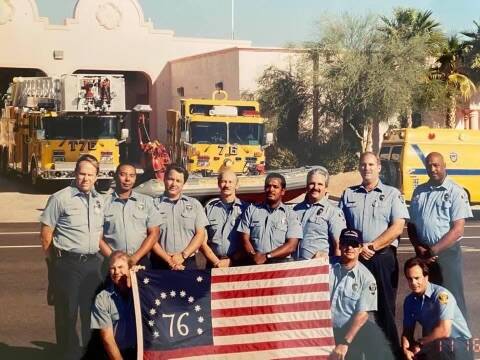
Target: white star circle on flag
[[199, 331], [146, 281], [197, 308], [199, 279], [183, 293], [173, 293], [156, 334], [200, 319], [163, 295], [191, 299], [153, 311], [151, 323], [157, 302]]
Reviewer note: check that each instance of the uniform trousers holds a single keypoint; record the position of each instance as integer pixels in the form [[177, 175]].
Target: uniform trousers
[[77, 279], [384, 267], [369, 343], [447, 272]]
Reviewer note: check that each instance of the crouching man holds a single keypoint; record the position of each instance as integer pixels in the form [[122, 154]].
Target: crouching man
[[445, 334], [113, 312], [353, 295]]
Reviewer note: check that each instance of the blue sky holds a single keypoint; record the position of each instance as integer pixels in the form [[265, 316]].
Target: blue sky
[[272, 22]]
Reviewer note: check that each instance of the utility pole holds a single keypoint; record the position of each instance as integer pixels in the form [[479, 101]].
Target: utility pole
[[233, 19]]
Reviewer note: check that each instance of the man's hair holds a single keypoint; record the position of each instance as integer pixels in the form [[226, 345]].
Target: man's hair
[[367, 153], [278, 176], [177, 168], [226, 171], [319, 171], [117, 254], [117, 170], [412, 262], [90, 159]]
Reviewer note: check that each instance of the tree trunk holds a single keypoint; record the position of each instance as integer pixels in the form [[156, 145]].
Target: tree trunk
[[367, 140], [451, 112], [409, 117]]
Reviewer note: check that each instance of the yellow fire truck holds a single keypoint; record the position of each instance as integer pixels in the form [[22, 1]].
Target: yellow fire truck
[[209, 134], [403, 154], [48, 122]]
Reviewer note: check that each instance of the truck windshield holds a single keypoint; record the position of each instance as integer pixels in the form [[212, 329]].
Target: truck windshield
[[81, 127], [208, 132], [245, 134]]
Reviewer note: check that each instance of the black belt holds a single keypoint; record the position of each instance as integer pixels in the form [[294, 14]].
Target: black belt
[[59, 253], [386, 249]]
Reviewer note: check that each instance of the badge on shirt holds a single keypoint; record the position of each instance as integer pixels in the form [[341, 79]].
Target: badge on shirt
[[443, 298], [189, 207], [283, 221], [446, 197], [140, 206], [373, 288], [354, 287], [320, 211], [97, 207], [381, 197]]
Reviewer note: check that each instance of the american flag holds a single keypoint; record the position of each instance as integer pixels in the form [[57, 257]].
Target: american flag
[[275, 311]]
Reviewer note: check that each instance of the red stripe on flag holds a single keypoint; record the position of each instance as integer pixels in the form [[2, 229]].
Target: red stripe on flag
[[271, 309], [272, 274], [278, 290], [237, 348], [282, 326], [316, 357]]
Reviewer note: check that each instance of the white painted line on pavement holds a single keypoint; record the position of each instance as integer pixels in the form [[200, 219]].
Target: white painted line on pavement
[[19, 246], [20, 233]]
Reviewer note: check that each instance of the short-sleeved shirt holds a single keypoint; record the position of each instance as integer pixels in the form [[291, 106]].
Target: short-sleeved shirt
[[127, 220], [322, 222], [434, 208], [269, 228], [179, 221], [112, 310], [437, 303], [77, 220], [351, 291], [223, 219], [372, 212]]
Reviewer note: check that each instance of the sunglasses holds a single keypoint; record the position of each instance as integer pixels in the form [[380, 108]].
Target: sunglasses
[[352, 243]]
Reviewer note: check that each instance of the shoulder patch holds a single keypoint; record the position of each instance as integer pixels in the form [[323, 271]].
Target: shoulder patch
[[373, 288], [443, 298], [401, 198]]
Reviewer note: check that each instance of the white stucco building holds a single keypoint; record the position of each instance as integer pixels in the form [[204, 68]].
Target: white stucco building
[[113, 36]]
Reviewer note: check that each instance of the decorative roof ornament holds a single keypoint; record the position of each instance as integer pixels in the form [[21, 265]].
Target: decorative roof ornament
[[6, 11], [109, 15]]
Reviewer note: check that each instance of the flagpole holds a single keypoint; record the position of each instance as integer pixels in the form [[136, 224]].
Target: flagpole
[[233, 19]]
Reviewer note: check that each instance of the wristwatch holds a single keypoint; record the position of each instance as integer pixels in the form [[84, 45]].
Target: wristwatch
[[184, 255], [268, 255], [344, 341]]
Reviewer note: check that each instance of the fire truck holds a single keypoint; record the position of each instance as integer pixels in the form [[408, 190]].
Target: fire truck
[[48, 122], [207, 135]]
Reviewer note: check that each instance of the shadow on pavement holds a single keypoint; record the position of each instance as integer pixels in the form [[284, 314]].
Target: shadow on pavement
[[43, 351]]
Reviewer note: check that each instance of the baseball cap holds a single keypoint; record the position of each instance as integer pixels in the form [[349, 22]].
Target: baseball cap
[[351, 237]]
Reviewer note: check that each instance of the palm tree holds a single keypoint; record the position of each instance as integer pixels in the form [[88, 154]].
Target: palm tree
[[472, 58], [449, 68]]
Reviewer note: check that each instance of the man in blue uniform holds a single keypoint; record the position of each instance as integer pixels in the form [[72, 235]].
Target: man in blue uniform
[[321, 221], [438, 211], [71, 228], [113, 314], [183, 222], [353, 295], [270, 231], [223, 245], [445, 334], [379, 211], [131, 220]]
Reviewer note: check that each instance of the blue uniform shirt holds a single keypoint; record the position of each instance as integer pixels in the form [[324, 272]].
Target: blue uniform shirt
[[428, 309], [110, 309], [435, 208], [179, 221], [126, 221], [223, 220], [321, 222], [351, 291], [372, 212], [269, 228], [77, 220]]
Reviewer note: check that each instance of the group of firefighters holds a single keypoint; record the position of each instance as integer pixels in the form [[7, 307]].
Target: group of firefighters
[[359, 236]]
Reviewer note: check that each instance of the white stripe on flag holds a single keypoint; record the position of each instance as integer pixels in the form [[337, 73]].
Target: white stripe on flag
[[268, 267], [271, 318], [270, 300], [268, 354], [273, 336], [267, 283]]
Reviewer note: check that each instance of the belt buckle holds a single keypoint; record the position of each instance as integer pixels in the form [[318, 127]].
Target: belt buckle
[[83, 258]]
